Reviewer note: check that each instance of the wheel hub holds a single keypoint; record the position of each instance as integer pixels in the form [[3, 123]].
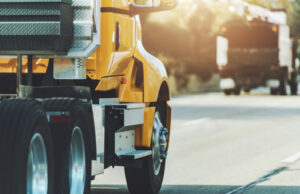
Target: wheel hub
[[159, 143], [37, 166], [77, 165]]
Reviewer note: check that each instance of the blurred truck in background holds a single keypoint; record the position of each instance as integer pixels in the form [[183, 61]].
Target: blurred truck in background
[[79, 94], [257, 51]]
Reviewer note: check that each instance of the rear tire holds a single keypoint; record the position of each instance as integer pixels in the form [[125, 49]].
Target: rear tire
[[273, 91], [25, 142], [294, 83], [227, 92], [283, 83], [73, 161], [237, 91], [247, 90], [148, 179]]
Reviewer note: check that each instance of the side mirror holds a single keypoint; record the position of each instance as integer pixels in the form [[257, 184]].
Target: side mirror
[[148, 6]]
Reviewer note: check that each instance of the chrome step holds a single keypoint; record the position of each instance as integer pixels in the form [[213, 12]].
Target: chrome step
[[137, 154]]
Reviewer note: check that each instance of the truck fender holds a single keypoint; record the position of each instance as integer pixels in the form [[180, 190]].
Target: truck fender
[[155, 75]]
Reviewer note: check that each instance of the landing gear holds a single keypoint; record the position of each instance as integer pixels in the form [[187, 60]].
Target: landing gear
[[148, 179]]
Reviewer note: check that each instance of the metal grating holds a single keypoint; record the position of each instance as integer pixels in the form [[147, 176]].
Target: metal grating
[[86, 17]]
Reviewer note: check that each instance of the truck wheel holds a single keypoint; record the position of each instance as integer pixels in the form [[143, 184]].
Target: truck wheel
[[237, 90], [283, 84], [247, 90], [227, 92], [27, 158], [273, 91], [148, 179], [294, 84], [73, 161]]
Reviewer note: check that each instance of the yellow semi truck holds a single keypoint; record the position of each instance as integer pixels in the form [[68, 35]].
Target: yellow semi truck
[[79, 94]]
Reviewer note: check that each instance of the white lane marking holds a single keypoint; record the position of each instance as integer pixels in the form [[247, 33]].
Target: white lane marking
[[291, 159], [197, 121]]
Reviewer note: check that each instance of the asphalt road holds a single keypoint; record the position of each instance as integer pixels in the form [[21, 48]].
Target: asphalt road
[[238, 144]]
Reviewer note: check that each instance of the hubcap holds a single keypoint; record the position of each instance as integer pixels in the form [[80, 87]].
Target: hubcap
[[77, 168], [37, 166], [159, 143]]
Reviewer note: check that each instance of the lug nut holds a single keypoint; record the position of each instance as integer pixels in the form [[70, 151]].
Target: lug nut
[[164, 131], [164, 156], [163, 139], [162, 148]]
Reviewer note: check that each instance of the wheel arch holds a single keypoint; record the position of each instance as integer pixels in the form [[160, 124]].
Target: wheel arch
[[155, 75], [61, 105], [144, 133]]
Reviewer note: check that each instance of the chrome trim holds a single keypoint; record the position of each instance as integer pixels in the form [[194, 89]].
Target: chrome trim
[[77, 163], [86, 27], [37, 166], [98, 115], [159, 143]]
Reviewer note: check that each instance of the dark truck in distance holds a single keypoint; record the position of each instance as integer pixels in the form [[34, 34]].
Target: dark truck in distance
[[256, 53]]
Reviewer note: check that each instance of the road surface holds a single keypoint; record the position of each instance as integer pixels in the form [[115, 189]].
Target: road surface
[[238, 144]]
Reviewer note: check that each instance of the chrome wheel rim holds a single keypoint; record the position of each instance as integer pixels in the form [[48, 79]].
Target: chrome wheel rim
[[159, 144], [77, 165], [37, 166]]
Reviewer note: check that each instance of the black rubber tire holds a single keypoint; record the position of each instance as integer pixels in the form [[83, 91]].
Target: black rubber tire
[[283, 84], [294, 83], [227, 92], [62, 134], [247, 90], [20, 119], [143, 180], [237, 91], [273, 91]]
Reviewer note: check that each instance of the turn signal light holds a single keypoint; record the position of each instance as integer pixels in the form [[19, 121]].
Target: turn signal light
[[123, 80], [273, 68], [223, 29], [275, 28], [222, 68]]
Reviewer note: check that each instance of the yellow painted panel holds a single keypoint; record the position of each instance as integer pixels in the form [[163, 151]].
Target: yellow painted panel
[[10, 65], [143, 135]]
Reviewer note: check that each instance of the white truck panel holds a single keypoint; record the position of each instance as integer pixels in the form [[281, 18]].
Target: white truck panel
[[222, 51], [285, 47]]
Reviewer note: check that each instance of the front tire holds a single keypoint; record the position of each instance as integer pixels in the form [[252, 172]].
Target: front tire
[[148, 179]]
